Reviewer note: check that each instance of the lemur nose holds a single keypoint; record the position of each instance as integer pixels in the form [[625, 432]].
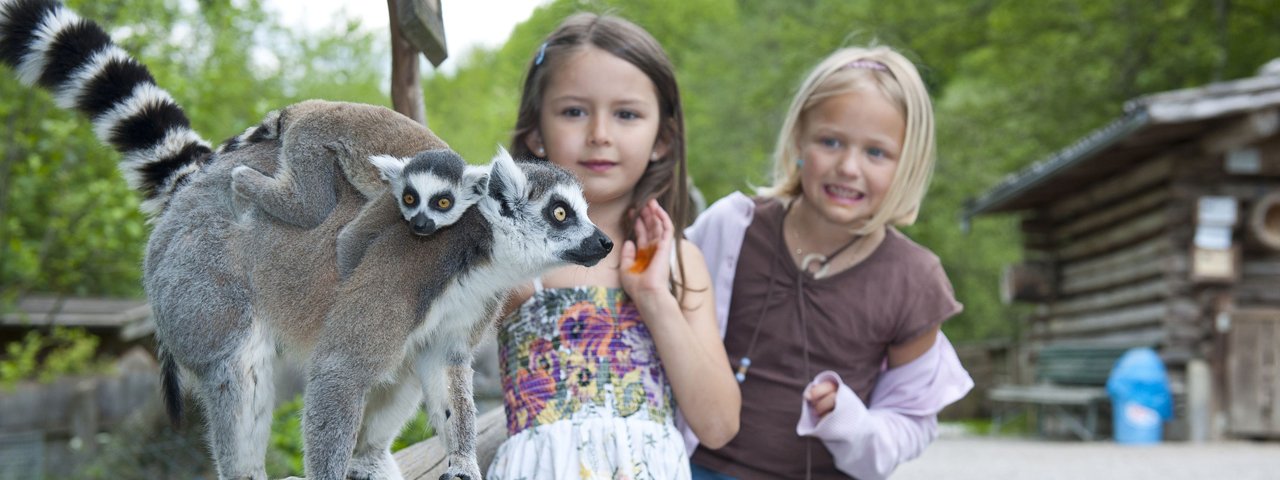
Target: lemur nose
[[423, 225], [606, 244]]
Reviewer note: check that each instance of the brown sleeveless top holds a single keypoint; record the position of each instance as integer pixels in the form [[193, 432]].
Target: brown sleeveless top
[[850, 319]]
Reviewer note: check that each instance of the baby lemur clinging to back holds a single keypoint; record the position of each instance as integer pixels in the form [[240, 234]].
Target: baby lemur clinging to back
[[431, 190]]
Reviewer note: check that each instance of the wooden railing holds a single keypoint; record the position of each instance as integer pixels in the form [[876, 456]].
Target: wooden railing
[[425, 460]]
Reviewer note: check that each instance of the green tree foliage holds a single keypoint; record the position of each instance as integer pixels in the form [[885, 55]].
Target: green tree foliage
[[46, 356]]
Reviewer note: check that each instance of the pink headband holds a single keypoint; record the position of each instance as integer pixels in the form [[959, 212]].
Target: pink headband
[[866, 64]]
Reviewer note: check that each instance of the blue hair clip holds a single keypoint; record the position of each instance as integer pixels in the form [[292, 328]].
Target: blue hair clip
[[542, 53]]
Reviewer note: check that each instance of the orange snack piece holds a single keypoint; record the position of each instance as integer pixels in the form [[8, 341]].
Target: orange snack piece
[[643, 257]]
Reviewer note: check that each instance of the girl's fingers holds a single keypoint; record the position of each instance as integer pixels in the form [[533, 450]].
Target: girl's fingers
[[642, 230], [665, 221], [628, 256], [820, 390], [825, 405]]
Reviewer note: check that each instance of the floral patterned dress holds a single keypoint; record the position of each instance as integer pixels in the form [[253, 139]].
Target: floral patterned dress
[[585, 394]]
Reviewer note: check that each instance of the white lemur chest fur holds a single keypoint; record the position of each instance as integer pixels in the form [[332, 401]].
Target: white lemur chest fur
[[470, 301]]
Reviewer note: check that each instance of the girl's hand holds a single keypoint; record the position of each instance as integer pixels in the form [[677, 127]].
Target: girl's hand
[[822, 397], [645, 270]]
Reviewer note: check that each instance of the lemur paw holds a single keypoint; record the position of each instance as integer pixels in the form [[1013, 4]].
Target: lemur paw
[[241, 179], [462, 467]]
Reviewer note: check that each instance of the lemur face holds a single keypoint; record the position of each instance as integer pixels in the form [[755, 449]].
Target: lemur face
[[540, 208], [433, 188]]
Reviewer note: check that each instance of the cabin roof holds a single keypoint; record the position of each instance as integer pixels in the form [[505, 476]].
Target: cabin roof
[[1150, 124]]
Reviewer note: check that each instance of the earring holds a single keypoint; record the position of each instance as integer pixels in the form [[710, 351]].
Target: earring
[[542, 152], [653, 157]]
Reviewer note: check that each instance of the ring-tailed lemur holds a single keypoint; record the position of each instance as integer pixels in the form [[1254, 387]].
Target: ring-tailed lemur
[[231, 285]]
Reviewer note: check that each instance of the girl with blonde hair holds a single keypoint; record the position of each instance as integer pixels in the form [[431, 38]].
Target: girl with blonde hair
[[831, 316]]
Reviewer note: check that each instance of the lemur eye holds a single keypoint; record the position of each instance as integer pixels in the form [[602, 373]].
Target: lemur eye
[[409, 199], [560, 214], [442, 202]]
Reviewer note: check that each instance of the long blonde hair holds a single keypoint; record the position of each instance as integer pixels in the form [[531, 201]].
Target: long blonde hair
[[845, 71]]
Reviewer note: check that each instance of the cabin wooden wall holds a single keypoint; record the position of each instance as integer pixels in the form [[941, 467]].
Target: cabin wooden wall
[[1116, 262], [1116, 274]]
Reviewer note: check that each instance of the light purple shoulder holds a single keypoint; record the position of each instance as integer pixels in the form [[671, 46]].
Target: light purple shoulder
[[735, 208]]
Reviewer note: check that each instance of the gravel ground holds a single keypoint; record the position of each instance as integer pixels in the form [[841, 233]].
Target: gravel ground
[[960, 457]]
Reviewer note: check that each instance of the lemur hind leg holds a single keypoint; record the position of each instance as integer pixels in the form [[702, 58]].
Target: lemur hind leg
[[389, 406], [238, 397], [333, 406]]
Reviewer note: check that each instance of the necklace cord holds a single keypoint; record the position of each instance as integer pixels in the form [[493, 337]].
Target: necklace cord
[[744, 363]]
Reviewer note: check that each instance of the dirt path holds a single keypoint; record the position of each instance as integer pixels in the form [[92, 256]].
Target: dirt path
[[964, 458]]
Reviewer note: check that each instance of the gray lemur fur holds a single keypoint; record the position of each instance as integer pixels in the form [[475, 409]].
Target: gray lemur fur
[[232, 286]]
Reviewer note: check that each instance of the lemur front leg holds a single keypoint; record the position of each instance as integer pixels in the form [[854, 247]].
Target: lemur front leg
[[354, 239], [462, 427], [445, 369]]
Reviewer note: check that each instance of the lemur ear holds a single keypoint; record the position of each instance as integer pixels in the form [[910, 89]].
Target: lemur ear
[[475, 181], [390, 167], [507, 182]]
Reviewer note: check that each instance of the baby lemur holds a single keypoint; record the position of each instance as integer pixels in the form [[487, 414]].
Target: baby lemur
[[431, 190]]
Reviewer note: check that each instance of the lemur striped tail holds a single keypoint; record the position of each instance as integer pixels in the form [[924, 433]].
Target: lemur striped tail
[[50, 46]]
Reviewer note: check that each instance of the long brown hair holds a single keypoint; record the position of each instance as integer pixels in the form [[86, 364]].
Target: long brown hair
[[666, 178]]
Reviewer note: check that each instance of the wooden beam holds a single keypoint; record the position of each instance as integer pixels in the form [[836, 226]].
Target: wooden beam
[[428, 459], [1154, 289], [1242, 133], [1025, 283], [406, 86], [1117, 319], [1171, 267], [422, 24], [1256, 293], [1140, 204], [1144, 252], [1150, 173], [1148, 336], [1141, 227], [1262, 267]]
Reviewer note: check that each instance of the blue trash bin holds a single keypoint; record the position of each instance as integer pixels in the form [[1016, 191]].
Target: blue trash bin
[[1140, 398]]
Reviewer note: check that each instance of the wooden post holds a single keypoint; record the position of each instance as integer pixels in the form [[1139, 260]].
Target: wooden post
[[406, 88], [1199, 400], [84, 418]]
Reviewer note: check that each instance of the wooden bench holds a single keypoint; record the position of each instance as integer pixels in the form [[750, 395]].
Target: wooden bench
[[1071, 388]]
